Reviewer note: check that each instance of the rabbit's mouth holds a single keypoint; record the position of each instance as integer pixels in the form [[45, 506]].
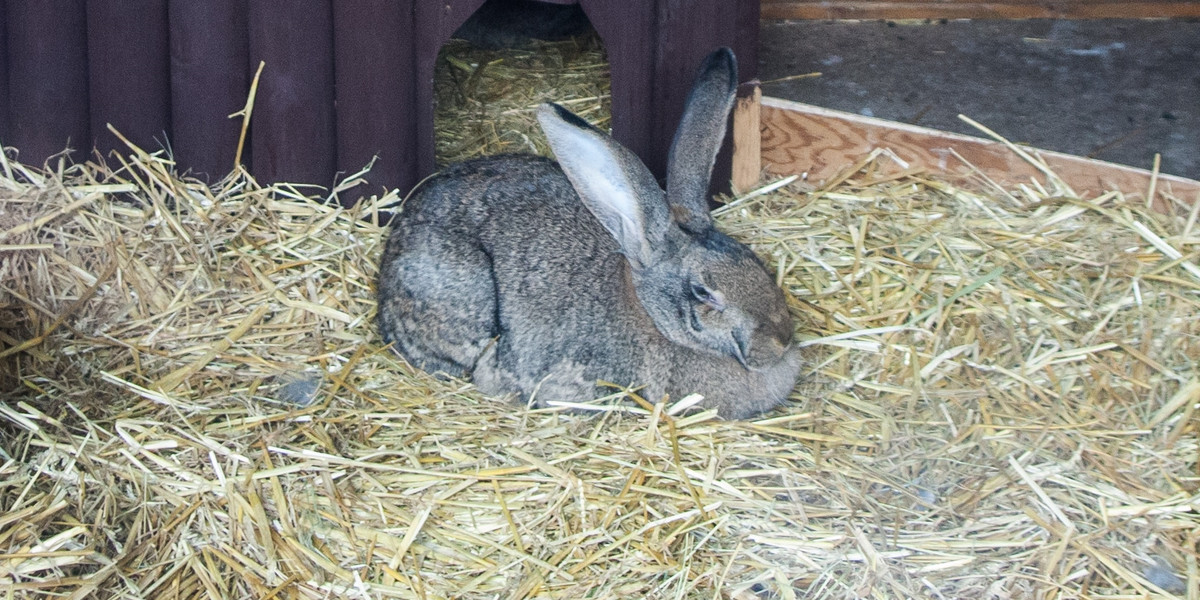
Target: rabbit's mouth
[[761, 353], [741, 349]]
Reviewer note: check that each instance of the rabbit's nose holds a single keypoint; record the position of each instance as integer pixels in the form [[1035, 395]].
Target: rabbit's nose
[[767, 348]]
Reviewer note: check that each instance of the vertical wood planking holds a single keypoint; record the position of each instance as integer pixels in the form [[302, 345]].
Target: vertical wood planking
[[183, 67], [434, 23], [47, 77], [373, 53], [746, 39], [128, 77], [210, 77], [745, 45], [293, 130], [687, 32], [3, 78], [627, 29]]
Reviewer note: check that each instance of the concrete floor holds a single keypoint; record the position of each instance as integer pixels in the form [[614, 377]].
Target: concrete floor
[[1115, 90]]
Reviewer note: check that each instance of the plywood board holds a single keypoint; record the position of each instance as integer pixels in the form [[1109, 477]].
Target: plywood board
[[801, 138], [1012, 9], [747, 137]]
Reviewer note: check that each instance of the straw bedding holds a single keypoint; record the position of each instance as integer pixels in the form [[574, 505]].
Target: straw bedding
[[999, 404], [485, 98]]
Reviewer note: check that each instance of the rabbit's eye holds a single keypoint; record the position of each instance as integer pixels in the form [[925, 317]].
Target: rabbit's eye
[[708, 296]]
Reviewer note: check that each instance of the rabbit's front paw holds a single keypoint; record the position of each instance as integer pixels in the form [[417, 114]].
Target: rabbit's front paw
[[565, 383]]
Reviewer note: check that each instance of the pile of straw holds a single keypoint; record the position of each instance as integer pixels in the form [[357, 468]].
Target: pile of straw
[[196, 404]]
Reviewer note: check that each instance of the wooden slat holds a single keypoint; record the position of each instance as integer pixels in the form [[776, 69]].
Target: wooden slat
[[747, 137], [210, 77], [129, 83], [433, 24], [3, 77], [293, 124], [374, 97], [47, 78], [685, 31], [800, 138], [1012, 9]]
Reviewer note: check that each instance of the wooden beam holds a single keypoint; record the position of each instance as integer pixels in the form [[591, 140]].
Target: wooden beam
[[1011, 9], [747, 137], [801, 138]]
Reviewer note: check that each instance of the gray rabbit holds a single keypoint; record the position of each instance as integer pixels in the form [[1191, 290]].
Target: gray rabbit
[[543, 279]]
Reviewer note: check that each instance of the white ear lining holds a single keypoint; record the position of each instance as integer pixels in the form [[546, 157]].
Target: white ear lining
[[593, 168], [597, 175]]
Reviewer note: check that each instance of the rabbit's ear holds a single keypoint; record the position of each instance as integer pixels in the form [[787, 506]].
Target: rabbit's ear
[[612, 182], [698, 138]]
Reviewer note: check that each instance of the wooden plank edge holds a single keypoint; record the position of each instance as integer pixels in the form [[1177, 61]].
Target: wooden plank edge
[[803, 10], [747, 137], [819, 142]]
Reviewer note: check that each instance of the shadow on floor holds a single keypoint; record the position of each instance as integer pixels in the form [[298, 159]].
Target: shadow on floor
[[1114, 90]]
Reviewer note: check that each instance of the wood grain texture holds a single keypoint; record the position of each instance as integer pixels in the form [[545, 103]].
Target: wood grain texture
[[293, 124], [372, 39], [1010, 9], [210, 76], [747, 137], [432, 25], [3, 77], [799, 138], [129, 83], [47, 78]]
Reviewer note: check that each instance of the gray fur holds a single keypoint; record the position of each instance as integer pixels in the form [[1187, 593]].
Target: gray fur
[[541, 278], [698, 139]]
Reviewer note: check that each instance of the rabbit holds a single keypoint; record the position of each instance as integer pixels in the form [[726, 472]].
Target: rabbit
[[544, 279]]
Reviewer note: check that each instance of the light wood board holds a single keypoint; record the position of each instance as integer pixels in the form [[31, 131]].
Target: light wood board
[[822, 143]]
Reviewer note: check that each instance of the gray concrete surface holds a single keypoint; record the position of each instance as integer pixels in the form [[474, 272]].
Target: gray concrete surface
[[1115, 90]]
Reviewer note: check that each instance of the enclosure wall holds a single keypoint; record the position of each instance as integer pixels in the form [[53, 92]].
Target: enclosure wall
[[343, 83]]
